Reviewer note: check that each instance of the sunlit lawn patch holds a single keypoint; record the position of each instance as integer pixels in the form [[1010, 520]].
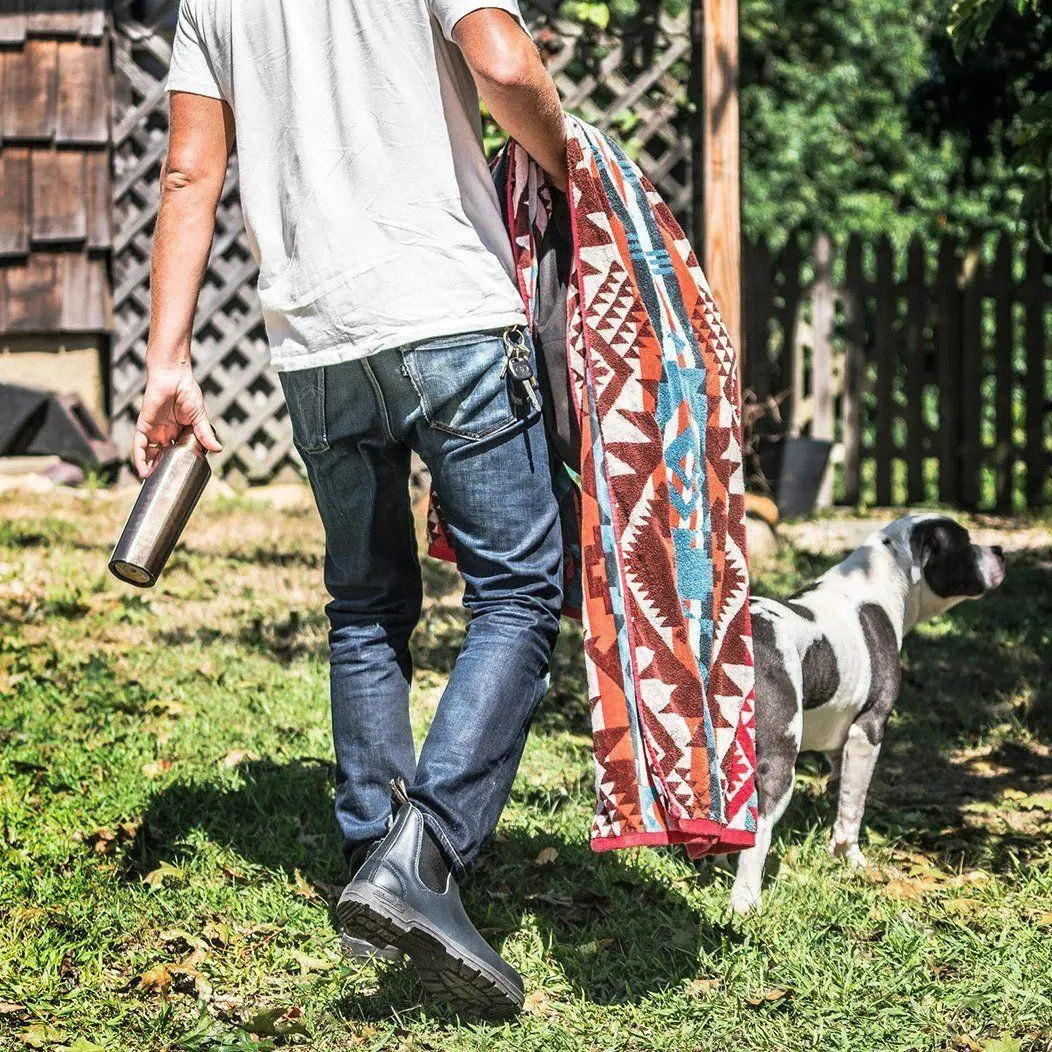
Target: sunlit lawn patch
[[168, 853]]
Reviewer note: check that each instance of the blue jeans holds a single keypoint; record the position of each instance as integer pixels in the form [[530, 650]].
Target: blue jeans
[[355, 425]]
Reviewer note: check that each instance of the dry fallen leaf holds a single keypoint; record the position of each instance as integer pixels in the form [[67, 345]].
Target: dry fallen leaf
[[538, 1003], [155, 768], [546, 857], [40, 1035], [103, 841], [1002, 1044], [302, 887], [910, 888], [311, 964], [187, 971], [775, 993], [698, 987], [276, 1022], [164, 874], [235, 758], [176, 935], [156, 979], [218, 934], [965, 907], [10, 1008]]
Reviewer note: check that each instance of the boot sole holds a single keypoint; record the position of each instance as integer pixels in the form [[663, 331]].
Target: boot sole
[[445, 969], [361, 950]]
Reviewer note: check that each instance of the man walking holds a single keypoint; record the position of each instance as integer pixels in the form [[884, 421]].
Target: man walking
[[387, 286]]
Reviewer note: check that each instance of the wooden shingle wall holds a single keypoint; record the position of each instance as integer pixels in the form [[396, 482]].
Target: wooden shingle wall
[[56, 211]]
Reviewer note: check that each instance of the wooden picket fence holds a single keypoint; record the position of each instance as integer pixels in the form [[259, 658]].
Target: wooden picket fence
[[929, 368]]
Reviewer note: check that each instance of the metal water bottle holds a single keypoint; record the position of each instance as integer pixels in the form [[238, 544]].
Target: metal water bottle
[[168, 496]]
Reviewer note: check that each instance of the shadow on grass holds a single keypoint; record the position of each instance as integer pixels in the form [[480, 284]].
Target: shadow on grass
[[284, 640], [616, 934]]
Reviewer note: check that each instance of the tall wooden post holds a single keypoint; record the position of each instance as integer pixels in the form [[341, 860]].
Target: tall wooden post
[[717, 219]]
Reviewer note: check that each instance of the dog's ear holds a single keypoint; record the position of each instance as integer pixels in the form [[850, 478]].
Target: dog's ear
[[925, 539]]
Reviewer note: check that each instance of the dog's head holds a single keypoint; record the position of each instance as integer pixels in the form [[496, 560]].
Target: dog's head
[[943, 564]]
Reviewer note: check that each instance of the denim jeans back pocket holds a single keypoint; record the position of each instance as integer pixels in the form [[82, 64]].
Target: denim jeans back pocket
[[462, 384], [305, 397]]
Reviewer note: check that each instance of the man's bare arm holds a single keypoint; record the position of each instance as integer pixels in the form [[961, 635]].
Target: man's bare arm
[[515, 86], [200, 138]]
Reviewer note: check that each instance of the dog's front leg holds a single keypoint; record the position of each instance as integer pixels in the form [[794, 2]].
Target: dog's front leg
[[858, 759]]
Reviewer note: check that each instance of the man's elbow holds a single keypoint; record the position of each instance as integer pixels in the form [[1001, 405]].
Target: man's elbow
[[507, 68], [500, 54], [182, 174]]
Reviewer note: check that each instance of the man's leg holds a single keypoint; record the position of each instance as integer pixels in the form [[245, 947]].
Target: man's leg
[[490, 471], [498, 504], [360, 479]]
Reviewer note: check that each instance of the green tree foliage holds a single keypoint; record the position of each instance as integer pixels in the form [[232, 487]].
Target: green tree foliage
[[858, 115], [985, 33]]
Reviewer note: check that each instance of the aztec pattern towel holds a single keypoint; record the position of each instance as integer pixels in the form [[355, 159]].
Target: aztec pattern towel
[[659, 495]]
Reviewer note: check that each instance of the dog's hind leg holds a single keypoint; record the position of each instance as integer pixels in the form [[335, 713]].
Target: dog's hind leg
[[748, 883], [779, 726], [860, 752]]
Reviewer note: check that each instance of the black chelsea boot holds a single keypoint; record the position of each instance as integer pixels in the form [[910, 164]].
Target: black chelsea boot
[[405, 896]]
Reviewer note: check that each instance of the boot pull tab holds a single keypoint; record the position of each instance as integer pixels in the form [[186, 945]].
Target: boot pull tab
[[399, 792]]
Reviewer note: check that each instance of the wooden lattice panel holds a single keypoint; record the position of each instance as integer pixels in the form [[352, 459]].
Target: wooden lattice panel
[[600, 76]]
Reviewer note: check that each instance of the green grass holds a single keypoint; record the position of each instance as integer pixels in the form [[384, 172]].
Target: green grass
[[169, 856]]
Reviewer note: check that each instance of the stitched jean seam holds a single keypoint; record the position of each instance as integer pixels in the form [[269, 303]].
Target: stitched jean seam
[[321, 407], [385, 419]]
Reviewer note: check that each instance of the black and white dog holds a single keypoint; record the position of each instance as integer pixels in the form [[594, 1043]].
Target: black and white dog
[[827, 668]]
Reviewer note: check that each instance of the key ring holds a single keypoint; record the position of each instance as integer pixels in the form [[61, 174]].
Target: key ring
[[515, 341]]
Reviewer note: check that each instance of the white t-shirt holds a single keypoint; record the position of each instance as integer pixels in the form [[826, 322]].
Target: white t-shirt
[[367, 199]]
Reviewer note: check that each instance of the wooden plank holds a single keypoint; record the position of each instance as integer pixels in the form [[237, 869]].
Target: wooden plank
[[14, 200], [1035, 297], [854, 364], [92, 19], [756, 323], [720, 160], [58, 196], [1003, 292], [822, 338], [949, 354], [86, 305], [28, 92], [971, 377], [53, 18], [82, 116], [12, 23], [916, 309], [98, 205], [885, 362], [32, 294], [787, 317]]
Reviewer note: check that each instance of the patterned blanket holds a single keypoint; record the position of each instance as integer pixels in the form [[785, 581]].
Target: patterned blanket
[[653, 514]]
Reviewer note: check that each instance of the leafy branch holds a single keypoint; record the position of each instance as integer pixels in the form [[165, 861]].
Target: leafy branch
[[970, 21]]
